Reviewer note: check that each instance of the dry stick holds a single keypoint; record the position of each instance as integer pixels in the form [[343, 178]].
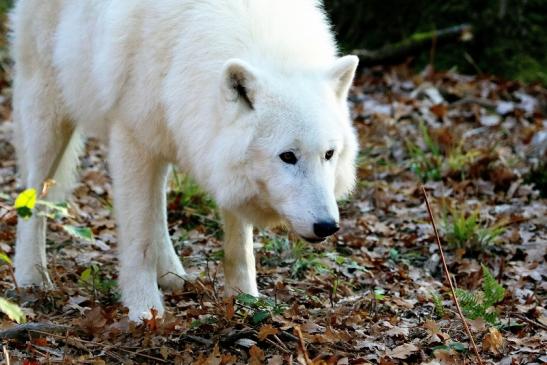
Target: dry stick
[[302, 345], [22, 329], [6, 355], [157, 359], [530, 322], [438, 239]]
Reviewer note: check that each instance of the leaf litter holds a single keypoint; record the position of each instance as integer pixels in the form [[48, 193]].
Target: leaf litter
[[373, 294]]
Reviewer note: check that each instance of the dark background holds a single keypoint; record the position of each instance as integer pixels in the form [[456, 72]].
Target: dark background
[[510, 36]]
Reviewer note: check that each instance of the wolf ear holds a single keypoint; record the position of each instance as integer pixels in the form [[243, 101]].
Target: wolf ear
[[240, 82], [341, 75]]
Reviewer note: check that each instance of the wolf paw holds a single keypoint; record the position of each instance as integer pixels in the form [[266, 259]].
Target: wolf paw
[[251, 290], [33, 278], [138, 312]]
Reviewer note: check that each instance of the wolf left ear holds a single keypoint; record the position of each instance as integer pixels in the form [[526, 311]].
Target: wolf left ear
[[341, 75], [240, 82]]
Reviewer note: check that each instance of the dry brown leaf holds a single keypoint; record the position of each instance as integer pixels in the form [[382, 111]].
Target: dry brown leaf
[[447, 357], [439, 110], [256, 356], [94, 321], [403, 351], [215, 358], [267, 330], [493, 341], [311, 328], [397, 332], [230, 310], [478, 324], [275, 360]]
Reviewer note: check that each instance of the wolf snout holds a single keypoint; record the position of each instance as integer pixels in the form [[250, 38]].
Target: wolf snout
[[324, 229]]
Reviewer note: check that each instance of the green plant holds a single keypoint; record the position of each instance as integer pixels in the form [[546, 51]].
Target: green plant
[[186, 196], [432, 163], [27, 203], [208, 320], [457, 162], [481, 304], [426, 164], [438, 303], [12, 310], [466, 231], [301, 257], [305, 258], [95, 281], [259, 309]]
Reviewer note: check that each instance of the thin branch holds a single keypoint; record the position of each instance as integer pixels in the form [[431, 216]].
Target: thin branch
[[393, 53], [6, 355], [22, 329], [104, 346], [447, 273], [530, 321], [302, 345]]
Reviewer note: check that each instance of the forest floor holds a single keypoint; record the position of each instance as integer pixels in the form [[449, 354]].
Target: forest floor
[[373, 294]]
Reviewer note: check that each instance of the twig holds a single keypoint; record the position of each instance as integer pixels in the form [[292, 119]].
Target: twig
[[531, 322], [199, 340], [302, 345], [281, 343], [447, 273], [7, 208], [396, 52], [279, 347], [6, 355], [21, 329], [12, 274], [104, 346]]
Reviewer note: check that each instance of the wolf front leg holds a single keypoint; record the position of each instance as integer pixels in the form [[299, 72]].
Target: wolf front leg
[[138, 186], [239, 259]]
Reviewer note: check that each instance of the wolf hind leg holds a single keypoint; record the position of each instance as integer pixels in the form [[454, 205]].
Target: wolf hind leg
[[47, 147], [170, 272]]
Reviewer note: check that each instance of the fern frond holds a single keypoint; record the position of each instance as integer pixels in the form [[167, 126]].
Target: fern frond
[[470, 303], [493, 291]]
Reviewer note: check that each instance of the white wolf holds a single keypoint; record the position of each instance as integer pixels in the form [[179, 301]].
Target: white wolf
[[246, 96]]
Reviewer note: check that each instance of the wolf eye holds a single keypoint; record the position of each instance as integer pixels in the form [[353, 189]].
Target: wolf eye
[[329, 154], [288, 157]]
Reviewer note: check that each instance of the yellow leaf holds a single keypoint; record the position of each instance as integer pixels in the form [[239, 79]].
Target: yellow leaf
[[12, 310], [27, 199]]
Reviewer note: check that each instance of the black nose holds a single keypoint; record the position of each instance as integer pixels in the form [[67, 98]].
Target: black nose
[[325, 228]]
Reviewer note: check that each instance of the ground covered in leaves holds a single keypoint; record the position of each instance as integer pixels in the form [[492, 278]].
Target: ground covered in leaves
[[373, 294]]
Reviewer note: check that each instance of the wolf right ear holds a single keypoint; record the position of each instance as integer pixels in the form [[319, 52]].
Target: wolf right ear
[[240, 82], [341, 75]]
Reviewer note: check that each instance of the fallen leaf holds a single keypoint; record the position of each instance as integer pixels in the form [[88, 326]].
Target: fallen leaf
[[493, 341], [267, 330], [275, 360], [402, 352], [256, 356]]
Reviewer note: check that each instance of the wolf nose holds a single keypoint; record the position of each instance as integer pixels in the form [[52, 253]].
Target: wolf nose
[[325, 228]]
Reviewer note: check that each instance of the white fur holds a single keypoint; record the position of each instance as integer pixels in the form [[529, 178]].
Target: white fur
[[155, 79]]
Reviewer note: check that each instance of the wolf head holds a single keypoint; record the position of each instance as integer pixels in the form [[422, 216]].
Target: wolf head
[[292, 147]]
